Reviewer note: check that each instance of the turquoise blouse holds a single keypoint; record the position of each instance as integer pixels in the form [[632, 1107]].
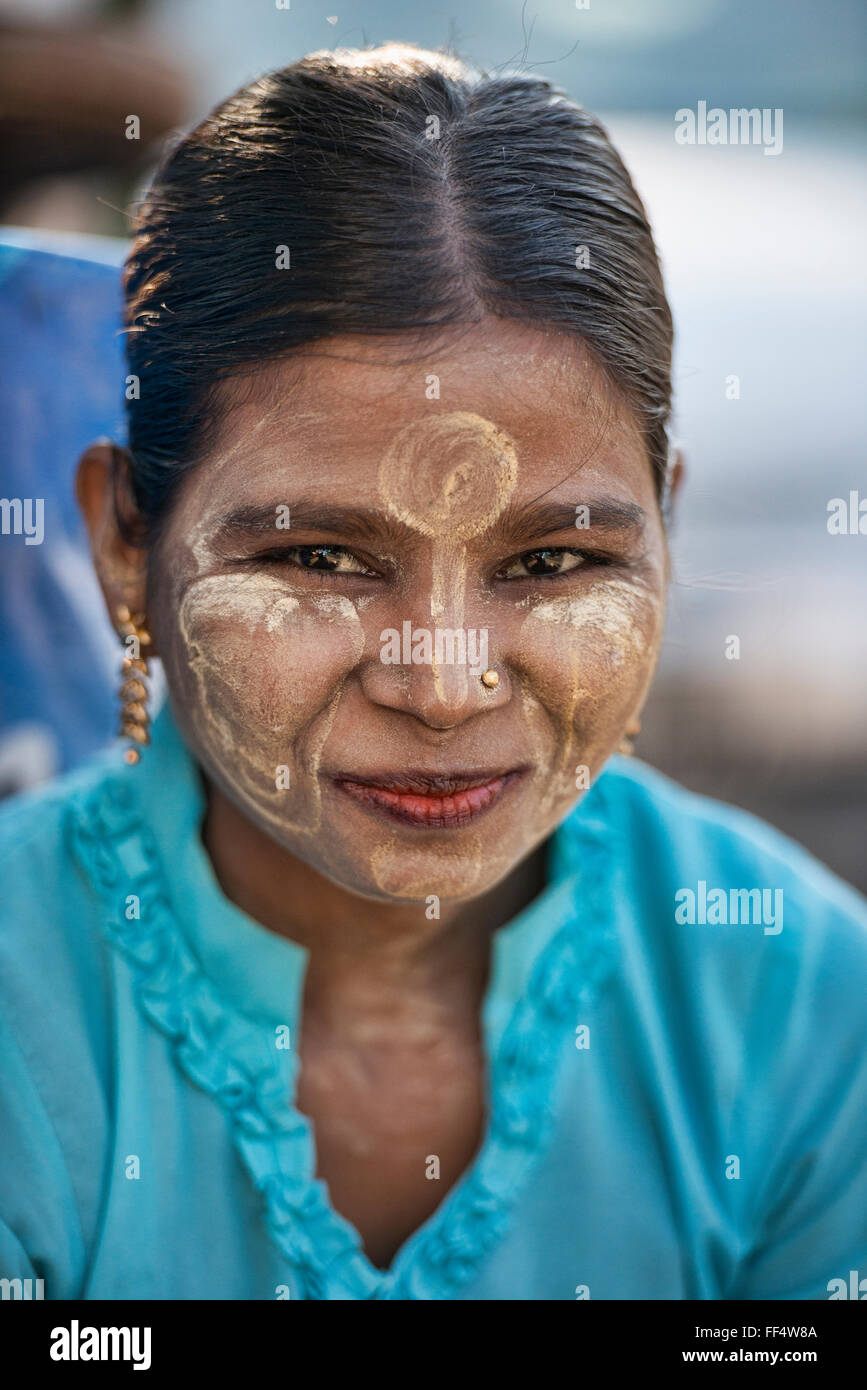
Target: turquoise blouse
[[676, 1100]]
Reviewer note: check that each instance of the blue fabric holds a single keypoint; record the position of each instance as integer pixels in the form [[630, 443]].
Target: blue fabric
[[61, 388], [708, 1143]]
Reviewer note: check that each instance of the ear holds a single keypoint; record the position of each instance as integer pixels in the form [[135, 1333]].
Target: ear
[[103, 489], [678, 473], [674, 482]]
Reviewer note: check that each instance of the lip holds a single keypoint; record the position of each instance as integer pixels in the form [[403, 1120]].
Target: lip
[[430, 801]]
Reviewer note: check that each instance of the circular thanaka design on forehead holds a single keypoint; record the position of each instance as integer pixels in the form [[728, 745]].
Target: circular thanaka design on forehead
[[449, 476], [234, 626]]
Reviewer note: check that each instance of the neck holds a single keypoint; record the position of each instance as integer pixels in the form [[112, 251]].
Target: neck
[[364, 954]]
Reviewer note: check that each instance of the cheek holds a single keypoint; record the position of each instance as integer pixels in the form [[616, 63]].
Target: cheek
[[263, 669], [587, 659]]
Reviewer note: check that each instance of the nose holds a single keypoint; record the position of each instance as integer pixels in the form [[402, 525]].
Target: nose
[[435, 674]]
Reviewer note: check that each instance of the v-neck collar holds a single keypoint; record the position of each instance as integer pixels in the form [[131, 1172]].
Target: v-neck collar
[[221, 987]]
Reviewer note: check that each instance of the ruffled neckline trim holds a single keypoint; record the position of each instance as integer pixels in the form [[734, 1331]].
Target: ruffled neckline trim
[[547, 965]]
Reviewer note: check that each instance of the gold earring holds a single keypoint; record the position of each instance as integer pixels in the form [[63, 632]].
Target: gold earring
[[626, 746], [134, 717], [490, 679]]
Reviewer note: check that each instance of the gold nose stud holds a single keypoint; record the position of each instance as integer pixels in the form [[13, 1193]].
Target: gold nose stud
[[490, 679]]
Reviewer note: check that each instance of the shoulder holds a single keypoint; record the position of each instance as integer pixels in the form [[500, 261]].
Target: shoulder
[[40, 862], [680, 838], [744, 927], [57, 1025], [744, 969], [32, 823], [54, 967], [49, 898]]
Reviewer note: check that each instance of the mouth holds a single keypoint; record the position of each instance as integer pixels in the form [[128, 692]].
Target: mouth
[[430, 801]]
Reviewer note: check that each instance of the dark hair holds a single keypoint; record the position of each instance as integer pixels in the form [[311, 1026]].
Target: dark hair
[[412, 192]]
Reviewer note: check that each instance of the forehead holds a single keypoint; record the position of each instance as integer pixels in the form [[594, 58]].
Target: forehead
[[330, 417]]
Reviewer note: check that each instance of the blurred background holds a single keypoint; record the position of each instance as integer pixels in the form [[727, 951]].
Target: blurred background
[[765, 265]]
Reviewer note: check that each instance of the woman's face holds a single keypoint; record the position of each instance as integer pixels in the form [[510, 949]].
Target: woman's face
[[491, 503]]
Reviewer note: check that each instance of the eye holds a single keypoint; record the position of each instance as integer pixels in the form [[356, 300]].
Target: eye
[[534, 564], [327, 559]]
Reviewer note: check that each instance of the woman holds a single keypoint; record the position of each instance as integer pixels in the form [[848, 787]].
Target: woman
[[376, 973]]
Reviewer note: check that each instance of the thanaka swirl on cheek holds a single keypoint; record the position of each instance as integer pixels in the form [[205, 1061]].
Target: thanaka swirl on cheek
[[586, 661], [244, 684], [260, 700]]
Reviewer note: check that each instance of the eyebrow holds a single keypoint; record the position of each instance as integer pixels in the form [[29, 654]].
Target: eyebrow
[[539, 519], [516, 525], [250, 520]]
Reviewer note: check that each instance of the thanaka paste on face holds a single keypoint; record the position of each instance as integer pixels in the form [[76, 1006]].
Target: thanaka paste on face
[[401, 872], [591, 639], [229, 624], [449, 477]]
